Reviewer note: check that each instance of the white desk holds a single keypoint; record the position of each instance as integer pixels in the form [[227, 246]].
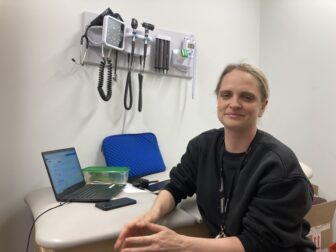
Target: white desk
[[81, 226]]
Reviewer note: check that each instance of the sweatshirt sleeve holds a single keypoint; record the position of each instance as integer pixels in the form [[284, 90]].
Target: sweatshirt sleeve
[[183, 176], [275, 216]]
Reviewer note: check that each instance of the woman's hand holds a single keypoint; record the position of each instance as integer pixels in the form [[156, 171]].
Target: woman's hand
[[163, 204], [144, 236], [134, 228]]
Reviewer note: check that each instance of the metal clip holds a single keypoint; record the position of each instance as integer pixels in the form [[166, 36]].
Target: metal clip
[[221, 234], [102, 52], [226, 205], [221, 188]]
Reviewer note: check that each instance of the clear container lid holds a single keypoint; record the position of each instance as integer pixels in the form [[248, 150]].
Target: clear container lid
[[102, 169]]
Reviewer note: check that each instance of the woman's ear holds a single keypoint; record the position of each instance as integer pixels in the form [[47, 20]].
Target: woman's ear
[[263, 108]]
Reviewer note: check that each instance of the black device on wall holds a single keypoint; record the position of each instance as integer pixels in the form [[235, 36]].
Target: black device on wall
[[112, 32]]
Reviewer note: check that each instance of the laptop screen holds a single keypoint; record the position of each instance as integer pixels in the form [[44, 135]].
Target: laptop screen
[[63, 168]]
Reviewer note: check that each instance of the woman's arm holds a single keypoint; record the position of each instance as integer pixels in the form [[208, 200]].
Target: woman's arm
[[231, 244], [163, 204]]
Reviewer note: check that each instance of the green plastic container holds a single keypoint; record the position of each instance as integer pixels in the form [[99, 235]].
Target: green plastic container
[[106, 174]]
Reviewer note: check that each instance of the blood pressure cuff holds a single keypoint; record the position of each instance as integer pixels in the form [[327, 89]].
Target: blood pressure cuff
[[139, 152]]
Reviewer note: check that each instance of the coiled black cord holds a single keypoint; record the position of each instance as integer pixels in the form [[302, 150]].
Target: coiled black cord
[[108, 64]]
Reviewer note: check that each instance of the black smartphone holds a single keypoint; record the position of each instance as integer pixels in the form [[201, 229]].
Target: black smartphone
[[115, 203]]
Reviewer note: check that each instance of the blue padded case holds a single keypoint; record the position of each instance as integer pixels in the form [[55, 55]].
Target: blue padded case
[[139, 152]]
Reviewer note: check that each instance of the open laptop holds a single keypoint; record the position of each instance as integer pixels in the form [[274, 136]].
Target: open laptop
[[68, 182]]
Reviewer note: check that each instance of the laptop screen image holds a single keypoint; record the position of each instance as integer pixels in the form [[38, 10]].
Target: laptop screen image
[[64, 169]]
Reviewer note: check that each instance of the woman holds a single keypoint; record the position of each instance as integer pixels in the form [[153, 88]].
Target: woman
[[251, 191]]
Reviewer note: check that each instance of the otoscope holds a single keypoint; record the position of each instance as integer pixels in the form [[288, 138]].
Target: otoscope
[[147, 27]]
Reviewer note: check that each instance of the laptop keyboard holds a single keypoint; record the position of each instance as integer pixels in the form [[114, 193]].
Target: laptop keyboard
[[94, 192]]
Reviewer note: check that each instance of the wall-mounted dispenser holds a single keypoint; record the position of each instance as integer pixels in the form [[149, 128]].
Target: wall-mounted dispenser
[[182, 58]]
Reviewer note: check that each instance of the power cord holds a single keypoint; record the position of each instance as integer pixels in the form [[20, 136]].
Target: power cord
[[31, 229]]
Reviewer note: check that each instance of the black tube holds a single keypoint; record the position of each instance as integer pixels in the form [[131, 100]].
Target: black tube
[[128, 89], [161, 55], [115, 78], [164, 55], [167, 55], [156, 64], [140, 77]]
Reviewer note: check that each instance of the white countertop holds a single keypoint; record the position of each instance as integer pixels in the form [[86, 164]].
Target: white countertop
[[75, 224]]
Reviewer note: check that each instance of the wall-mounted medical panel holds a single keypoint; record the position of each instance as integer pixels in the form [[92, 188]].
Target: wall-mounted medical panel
[[168, 53]]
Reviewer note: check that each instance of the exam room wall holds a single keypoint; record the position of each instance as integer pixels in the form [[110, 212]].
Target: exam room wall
[[48, 102], [297, 50]]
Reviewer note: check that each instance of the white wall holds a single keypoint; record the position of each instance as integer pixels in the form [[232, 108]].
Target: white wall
[[48, 102], [297, 51]]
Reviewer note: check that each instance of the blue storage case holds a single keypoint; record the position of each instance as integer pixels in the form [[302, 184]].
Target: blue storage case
[[139, 152]]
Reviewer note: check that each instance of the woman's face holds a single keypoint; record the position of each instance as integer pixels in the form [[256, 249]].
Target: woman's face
[[239, 101]]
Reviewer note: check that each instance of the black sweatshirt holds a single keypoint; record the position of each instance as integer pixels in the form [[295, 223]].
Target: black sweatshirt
[[271, 193]]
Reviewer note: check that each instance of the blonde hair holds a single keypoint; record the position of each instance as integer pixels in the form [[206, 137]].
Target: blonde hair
[[255, 72]]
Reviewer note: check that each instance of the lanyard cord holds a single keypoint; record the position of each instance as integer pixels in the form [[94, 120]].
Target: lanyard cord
[[227, 195], [225, 198]]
